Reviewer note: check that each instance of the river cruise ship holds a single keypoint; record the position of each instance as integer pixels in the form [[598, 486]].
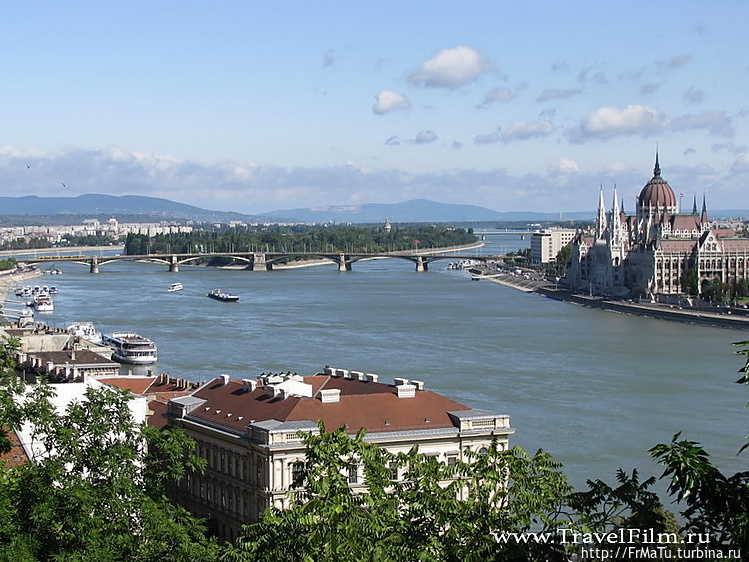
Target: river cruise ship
[[132, 348]]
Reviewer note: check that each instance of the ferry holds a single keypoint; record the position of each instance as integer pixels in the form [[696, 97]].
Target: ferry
[[86, 331], [174, 287], [129, 347], [219, 295]]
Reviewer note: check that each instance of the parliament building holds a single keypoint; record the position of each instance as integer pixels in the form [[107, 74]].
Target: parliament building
[[646, 254]]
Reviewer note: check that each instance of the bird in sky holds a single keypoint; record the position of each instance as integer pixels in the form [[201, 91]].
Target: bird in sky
[[64, 184]]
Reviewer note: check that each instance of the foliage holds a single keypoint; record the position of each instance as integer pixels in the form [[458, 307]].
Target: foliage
[[690, 282], [300, 238], [83, 495], [430, 511], [9, 263]]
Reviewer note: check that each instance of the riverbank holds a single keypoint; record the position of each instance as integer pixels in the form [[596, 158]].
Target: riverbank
[[722, 318], [12, 278]]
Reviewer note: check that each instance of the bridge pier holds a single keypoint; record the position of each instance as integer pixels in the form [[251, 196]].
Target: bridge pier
[[173, 265], [421, 264], [94, 265], [259, 263], [343, 265]]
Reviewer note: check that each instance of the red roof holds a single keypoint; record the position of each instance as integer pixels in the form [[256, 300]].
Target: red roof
[[370, 405]]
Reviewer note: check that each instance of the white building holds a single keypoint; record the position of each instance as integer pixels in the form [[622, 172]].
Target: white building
[[546, 243], [248, 431]]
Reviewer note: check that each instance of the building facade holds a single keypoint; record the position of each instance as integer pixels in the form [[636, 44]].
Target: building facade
[[649, 252], [546, 243], [250, 431]]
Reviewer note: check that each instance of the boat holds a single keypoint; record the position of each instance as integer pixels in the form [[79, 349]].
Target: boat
[[174, 287], [86, 331], [132, 348], [220, 295], [43, 303]]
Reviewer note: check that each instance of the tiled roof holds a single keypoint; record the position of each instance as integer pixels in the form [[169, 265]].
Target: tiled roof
[[136, 385], [371, 405], [70, 357]]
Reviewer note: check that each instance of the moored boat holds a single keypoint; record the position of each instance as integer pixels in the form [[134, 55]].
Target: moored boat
[[43, 303], [220, 295], [129, 347], [86, 331]]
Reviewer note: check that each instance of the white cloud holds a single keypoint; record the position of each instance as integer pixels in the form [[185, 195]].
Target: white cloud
[[556, 94], [523, 130], [497, 95], [425, 137], [388, 101], [451, 68], [489, 138], [564, 166], [608, 122]]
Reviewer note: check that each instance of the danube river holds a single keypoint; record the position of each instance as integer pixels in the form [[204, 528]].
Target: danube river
[[594, 388]]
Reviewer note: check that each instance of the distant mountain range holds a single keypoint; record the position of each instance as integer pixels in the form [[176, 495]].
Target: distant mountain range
[[417, 210], [135, 207], [107, 206]]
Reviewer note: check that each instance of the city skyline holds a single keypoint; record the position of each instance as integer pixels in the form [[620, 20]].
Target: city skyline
[[513, 108]]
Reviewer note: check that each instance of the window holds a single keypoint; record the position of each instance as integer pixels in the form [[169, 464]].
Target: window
[[353, 474], [297, 470], [393, 466], [452, 460]]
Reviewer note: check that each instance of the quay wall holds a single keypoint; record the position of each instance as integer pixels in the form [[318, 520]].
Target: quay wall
[[659, 311]]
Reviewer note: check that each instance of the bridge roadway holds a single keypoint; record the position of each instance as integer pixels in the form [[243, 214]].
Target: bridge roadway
[[264, 261]]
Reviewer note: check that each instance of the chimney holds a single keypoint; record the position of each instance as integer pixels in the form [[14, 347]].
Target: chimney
[[406, 391], [419, 384], [372, 378], [249, 385], [398, 381], [330, 395], [224, 380]]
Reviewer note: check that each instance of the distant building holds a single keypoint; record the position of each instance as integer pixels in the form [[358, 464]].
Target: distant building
[[647, 253], [248, 431], [546, 243]]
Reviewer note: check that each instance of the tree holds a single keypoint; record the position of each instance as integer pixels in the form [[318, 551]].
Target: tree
[[690, 282], [414, 507], [84, 495]]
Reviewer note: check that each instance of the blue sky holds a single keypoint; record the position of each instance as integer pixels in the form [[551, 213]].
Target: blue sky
[[254, 107]]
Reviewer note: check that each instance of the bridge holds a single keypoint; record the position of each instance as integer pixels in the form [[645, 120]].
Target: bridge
[[263, 261]]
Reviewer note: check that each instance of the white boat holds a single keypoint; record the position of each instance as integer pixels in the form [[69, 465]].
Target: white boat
[[174, 287], [43, 303], [86, 331], [129, 347]]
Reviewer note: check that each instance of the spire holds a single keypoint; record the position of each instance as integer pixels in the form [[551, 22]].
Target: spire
[[616, 220], [601, 218], [694, 206], [657, 169], [703, 217]]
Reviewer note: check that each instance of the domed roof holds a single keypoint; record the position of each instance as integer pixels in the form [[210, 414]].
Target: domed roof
[[657, 193]]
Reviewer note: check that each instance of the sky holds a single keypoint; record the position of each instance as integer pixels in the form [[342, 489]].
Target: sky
[[260, 106]]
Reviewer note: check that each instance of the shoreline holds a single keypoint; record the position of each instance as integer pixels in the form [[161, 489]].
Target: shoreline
[[736, 319]]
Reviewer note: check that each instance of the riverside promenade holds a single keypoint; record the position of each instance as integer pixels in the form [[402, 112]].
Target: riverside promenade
[[733, 318]]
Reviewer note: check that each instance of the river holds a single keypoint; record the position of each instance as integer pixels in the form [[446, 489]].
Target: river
[[594, 388]]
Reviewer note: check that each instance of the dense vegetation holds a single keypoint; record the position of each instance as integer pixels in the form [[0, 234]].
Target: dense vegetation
[[9, 263], [67, 240], [300, 238], [99, 496]]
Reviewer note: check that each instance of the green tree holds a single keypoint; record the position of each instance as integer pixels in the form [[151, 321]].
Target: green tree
[[690, 282], [85, 496], [430, 511]]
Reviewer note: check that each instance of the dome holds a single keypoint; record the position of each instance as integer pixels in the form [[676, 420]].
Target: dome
[[657, 193]]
